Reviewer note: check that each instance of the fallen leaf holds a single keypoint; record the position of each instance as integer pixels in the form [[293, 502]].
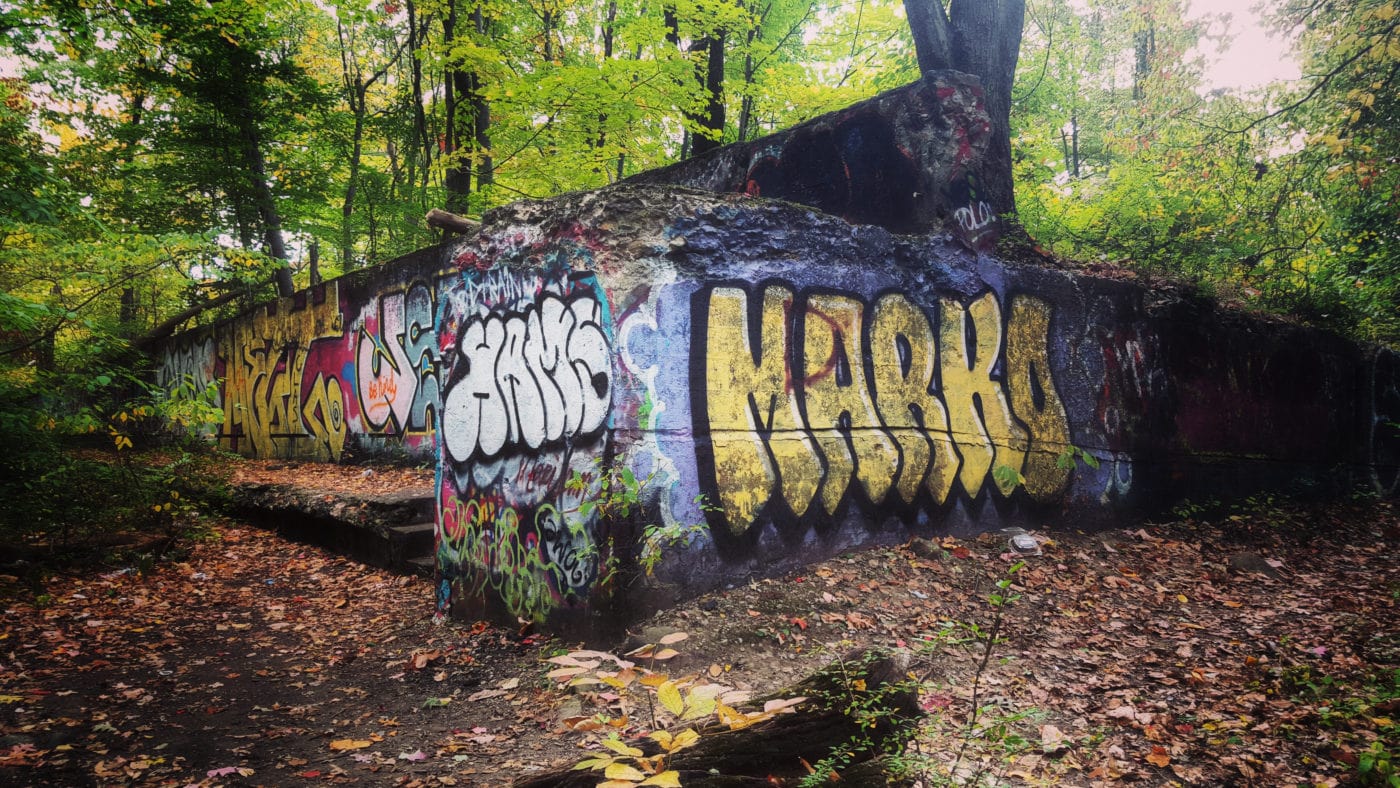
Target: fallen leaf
[[421, 659], [1052, 740]]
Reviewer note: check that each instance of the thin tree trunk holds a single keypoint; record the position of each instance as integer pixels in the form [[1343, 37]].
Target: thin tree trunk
[[420, 119], [481, 115], [352, 181], [262, 193], [314, 262], [457, 180]]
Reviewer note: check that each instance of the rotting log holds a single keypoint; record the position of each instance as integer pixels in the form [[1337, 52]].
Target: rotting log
[[864, 703], [451, 222]]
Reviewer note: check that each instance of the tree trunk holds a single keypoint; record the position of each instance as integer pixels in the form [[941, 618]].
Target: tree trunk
[[262, 193], [933, 43], [1145, 49], [712, 78], [420, 118], [983, 38], [167, 327], [457, 179], [481, 116], [463, 89], [347, 206], [746, 104], [128, 306], [987, 42], [314, 258], [874, 682]]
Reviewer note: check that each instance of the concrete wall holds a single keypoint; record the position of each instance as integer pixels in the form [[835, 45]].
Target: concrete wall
[[822, 385], [342, 371], [788, 382]]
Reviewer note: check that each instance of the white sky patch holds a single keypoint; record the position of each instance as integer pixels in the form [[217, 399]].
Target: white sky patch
[[1255, 57]]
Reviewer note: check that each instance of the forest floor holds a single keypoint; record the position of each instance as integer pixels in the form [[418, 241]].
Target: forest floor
[[1258, 648]]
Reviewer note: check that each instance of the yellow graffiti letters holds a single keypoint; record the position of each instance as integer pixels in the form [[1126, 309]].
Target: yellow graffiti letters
[[904, 358], [266, 359], [986, 433], [756, 431], [1034, 399], [840, 411], [883, 397], [324, 416]]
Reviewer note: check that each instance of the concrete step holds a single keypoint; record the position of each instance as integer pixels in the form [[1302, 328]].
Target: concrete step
[[411, 540], [418, 503], [384, 530], [424, 566]]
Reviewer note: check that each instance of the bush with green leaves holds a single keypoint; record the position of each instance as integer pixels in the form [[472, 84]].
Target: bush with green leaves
[[72, 424]]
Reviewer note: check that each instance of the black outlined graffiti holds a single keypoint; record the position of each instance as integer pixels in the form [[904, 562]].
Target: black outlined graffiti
[[804, 395], [396, 368], [526, 379]]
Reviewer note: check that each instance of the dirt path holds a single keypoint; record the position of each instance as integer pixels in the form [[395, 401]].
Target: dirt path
[[1156, 655]]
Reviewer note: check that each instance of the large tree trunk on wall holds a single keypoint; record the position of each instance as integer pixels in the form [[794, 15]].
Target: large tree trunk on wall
[[980, 37]]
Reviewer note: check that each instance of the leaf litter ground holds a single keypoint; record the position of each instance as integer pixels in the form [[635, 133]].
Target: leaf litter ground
[[1230, 652]]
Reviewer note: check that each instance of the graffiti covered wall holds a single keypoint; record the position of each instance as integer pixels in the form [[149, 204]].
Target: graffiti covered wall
[[787, 386], [790, 385], [344, 370]]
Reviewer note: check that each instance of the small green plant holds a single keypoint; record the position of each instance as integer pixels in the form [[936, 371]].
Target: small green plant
[[1194, 509], [658, 539], [613, 494], [1007, 477], [1072, 455], [1355, 709], [1379, 765]]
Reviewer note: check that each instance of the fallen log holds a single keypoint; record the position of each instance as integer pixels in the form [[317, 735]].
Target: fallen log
[[451, 222], [862, 705]]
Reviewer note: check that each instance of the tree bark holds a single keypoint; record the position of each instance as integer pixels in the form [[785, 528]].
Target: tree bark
[[256, 165], [875, 682], [987, 43], [457, 180], [481, 115], [420, 118], [933, 41], [710, 76], [983, 38], [246, 120], [712, 121], [463, 88], [167, 327], [451, 222], [347, 206]]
